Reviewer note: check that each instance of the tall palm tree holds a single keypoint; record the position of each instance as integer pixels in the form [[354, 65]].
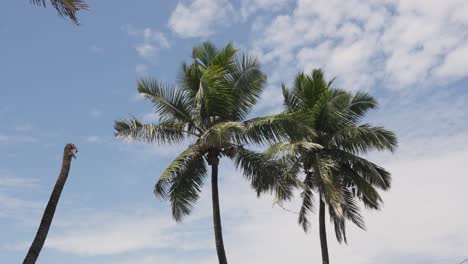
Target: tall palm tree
[[209, 105], [330, 159], [65, 8], [49, 211]]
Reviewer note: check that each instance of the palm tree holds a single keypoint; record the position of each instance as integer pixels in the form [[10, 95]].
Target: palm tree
[[331, 158], [65, 8], [209, 105], [49, 211]]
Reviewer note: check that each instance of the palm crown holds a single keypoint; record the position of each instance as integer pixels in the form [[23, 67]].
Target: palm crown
[[330, 158], [213, 96]]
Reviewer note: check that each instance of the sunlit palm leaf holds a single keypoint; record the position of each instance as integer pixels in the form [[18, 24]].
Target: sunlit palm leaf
[[134, 130]]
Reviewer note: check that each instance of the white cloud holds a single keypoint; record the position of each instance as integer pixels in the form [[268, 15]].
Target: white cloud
[[200, 18], [150, 41], [11, 139], [426, 189], [399, 43], [114, 234], [12, 205], [454, 65], [16, 182]]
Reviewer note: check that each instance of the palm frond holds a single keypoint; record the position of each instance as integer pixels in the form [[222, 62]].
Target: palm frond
[[247, 81], [65, 8], [204, 53], [169, 102], [292, 102], [297, 148], [264, 174], [372, 173], [278, 127], [134, 130], [307, 206], [182, 180], [362, 139]]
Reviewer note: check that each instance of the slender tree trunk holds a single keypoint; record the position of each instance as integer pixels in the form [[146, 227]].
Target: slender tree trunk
[[217, 215], [48, 215], [323, 233]]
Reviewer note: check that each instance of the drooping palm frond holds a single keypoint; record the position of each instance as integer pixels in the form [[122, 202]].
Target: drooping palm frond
[[181, 181], [263, 173], [372, 173], [65, 8], [348, 209], [307, 206]]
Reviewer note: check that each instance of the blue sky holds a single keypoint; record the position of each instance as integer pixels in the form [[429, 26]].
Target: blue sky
[[61, 83]]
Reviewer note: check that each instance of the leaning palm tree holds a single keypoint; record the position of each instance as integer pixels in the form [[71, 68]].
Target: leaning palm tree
[[331, 159], [65, 8], [49, 211], [209, 105]]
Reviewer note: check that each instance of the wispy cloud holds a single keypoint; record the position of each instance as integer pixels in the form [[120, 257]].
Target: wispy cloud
[[150, 41], [11, 139], [200, 18], [16, 182]]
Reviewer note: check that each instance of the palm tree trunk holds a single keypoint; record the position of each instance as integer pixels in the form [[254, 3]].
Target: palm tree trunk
[[323, 233], [48, 215], [217, 215]]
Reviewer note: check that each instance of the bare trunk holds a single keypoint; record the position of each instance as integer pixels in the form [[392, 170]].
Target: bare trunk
[[323, 233], [217, 215], [49, 211]]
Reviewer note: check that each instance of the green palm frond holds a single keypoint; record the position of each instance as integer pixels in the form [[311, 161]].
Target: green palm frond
[[182, 180], [214, 99], [359, 104], [247, 81], [225, 57], [165, 132], [360, 187], [223, 134], [169, 101], [204, 53], [292, 148], [264, 174], [278, 127], [372, 173], [349, 210], [65, 8], [307, 206], [362, 139]]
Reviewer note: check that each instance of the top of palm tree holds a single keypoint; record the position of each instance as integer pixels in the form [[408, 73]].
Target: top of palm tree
[[209, 104], [65, 8], [330, 157]]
